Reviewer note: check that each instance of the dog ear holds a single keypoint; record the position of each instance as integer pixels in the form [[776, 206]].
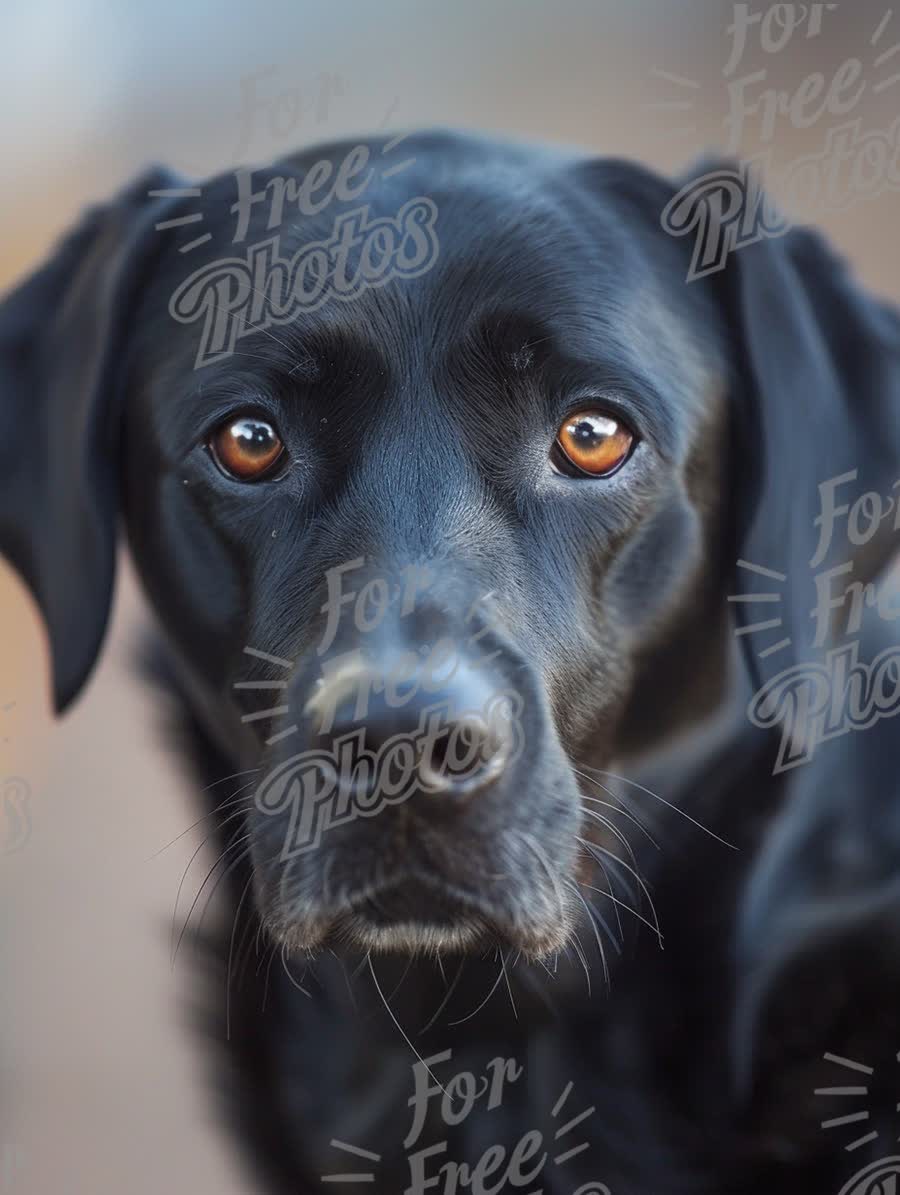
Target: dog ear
[[63, 339], [817, 411], [814, 393], [817, 449]]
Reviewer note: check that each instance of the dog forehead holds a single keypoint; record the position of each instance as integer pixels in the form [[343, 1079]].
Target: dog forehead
[[511, 232], [493, 205]]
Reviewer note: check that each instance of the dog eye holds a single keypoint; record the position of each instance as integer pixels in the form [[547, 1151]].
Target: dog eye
[[246, 448], [592, 443]]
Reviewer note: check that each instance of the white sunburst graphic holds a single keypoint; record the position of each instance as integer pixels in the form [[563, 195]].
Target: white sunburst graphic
[[278, 685], [858, 1089], [252, 288], [686, 95], [181, 221], [766, 599], [562, 1143], [268, 686], [386, 168], [886, 55], [680, 105]]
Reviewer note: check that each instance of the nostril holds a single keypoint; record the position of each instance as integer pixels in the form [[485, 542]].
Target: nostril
[[440, 760], [463, 759]]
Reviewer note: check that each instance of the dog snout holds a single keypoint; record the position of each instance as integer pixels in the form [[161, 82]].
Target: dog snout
[[421, 797], [449, 736]]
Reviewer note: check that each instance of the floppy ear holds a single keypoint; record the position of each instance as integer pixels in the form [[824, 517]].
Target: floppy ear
[[817, 408], [817, 427], [63, 338]]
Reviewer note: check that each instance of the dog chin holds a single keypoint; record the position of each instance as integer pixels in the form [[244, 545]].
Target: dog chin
[[466, 934], [412, 937]]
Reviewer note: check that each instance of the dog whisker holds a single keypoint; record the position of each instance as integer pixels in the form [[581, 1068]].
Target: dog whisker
[[248, 943], [668, 805], [406, 969], [574, 889], [628, 909], [228, 970], [347, 980], [579, 951], [400, 1028], [592, 847], [447, 995], [622, 877], [609, 888], [618, 808], [273, 951], [534, 984], [287, 970], [242, 854], [607, 825], [476, 1011], [541, 857], [508, 986], [234, 799], [233, 776], [203, 841]]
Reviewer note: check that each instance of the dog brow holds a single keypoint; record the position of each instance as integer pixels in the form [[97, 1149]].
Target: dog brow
[[510, 339], [521, 359]]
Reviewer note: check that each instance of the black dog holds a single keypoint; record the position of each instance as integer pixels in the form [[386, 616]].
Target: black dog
[[444, 573]]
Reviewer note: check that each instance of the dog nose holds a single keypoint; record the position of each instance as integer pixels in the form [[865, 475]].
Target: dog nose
[[386, 721]]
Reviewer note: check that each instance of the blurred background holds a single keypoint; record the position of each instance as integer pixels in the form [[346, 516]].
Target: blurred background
[[102, 1089]]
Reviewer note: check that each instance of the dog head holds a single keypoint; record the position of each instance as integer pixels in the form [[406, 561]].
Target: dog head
[[435, 479]]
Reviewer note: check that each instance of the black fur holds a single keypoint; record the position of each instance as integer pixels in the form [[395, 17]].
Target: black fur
[[419, 420]]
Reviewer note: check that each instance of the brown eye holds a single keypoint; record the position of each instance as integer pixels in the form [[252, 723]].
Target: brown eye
[[594, 443], [246, 448]]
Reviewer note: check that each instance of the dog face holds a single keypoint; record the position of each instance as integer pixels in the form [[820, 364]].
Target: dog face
[[433, 506], [425, 556]]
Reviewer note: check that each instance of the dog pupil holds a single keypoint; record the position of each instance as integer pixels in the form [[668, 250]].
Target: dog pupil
[[585, 432], [254, 437]]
